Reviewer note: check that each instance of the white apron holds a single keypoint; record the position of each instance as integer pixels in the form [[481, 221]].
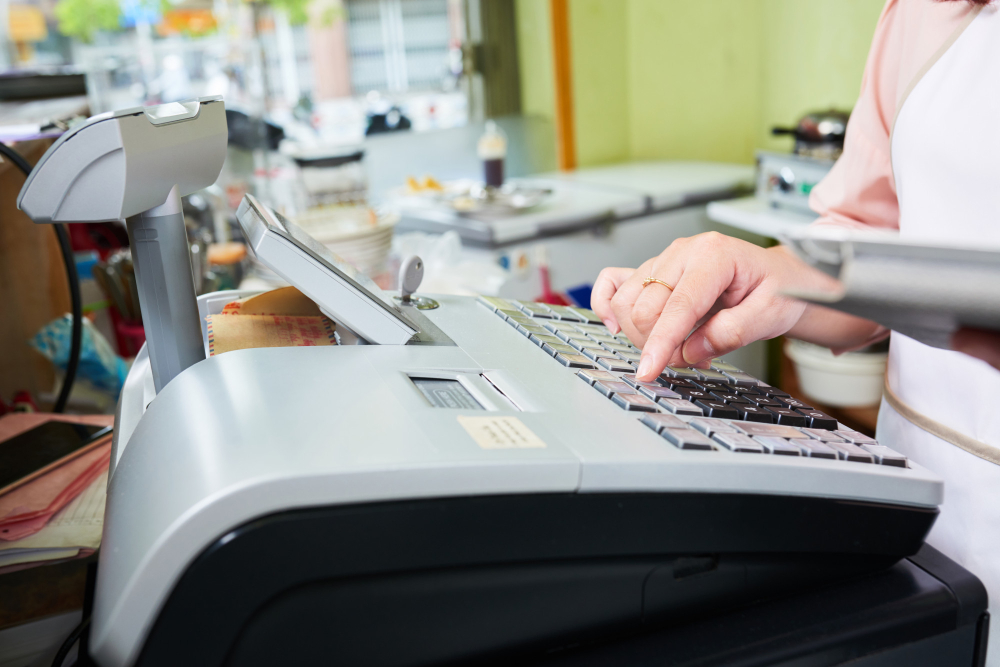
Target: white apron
[[946, 162]]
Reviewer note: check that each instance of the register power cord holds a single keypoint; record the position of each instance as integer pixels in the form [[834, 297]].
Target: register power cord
[[74, 290], [68, 643]]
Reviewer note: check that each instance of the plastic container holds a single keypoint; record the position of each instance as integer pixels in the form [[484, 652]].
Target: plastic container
[[852, 379]]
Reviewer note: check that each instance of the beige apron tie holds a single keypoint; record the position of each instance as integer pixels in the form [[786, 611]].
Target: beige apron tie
[[934, 427]]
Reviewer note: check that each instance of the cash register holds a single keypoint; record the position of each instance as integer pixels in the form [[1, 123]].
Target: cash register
[[460, 479]]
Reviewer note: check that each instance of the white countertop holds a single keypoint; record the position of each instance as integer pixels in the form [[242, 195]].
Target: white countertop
[[755, 215]]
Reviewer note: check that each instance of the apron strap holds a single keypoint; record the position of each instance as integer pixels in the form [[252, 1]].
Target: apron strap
[[934, 427]]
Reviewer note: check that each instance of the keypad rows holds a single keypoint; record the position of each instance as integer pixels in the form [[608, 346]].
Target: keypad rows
[[706, 434], [764, 419], [722, 391]]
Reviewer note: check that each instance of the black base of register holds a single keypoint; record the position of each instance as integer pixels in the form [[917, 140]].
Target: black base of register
[[925, 611]]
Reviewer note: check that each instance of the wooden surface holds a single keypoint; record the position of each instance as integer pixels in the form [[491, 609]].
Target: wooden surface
[[33, 286], [563, 67], [860, 419]]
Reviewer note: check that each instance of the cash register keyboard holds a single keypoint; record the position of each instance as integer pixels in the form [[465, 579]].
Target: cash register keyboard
[[720, 408]]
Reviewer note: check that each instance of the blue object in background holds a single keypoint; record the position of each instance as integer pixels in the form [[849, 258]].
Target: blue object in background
[[85, 263], [581, 294]]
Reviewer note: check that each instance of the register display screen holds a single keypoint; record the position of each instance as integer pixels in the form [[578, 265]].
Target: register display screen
[[446, 394]]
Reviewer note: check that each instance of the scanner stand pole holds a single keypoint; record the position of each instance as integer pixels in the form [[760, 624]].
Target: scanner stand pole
[[165, 282]]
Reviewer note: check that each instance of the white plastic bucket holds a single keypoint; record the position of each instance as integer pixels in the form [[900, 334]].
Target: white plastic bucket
[[852, 379]]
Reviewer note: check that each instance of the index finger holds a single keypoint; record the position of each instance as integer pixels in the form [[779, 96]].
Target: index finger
[[699, 288]]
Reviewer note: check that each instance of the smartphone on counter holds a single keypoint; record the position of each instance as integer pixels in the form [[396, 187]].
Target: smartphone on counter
[[32, 453]]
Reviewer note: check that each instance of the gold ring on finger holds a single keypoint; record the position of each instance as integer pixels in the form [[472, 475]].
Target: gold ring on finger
[[651, 280]]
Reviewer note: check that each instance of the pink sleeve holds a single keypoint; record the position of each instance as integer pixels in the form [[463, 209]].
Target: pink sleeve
[[860, 190]]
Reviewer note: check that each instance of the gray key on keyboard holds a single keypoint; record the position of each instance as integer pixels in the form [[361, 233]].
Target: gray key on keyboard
[[565, 313], [634, 403], [595, 354], [657, 392], [495, 303], [822, 434], [678, 372], [680, 407], [741, 379], [592, 376], [553, 349], [724, 366], [778, 446], [775, 430], [531, 329], [660, 421], [616, 347], [610, 387], [709, 374], [886, 456], [630, 378], [541, 339], [584, 344], [710, 426], [574, 360], [855, 437], [615, 365], [630, 356], [851, 452], [567, 335], [815, 449], [687, 438], [737, 442], [506, 314], [587, 314]]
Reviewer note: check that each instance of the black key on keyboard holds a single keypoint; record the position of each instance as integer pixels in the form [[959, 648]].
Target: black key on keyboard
[[788, 416], [762, 401], [694, 394], [673, 383], [717, 409], [752, 413], [710, 385], [729, 398], [819, 419], [771, 391], [793, 402]]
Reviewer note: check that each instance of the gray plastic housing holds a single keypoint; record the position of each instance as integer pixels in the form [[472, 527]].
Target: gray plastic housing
[[121, 163], [135, 165]]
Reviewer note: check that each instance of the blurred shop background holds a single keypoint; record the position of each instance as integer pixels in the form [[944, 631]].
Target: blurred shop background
[[518, 146]]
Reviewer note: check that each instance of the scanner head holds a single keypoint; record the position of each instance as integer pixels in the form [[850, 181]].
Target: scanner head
[[122, 163]]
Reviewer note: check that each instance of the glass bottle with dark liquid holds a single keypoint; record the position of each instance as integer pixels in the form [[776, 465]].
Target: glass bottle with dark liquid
[[492, 150]]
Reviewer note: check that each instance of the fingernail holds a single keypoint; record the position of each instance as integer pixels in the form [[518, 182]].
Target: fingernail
[[697, 349], [645, 367], [611, 325]]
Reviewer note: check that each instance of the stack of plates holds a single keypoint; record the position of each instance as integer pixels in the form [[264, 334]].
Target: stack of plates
[[358, 234]]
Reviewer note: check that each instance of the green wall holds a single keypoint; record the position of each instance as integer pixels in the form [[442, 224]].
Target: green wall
[[696, 79]]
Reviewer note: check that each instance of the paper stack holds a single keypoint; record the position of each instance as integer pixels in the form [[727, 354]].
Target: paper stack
[[56, 513]]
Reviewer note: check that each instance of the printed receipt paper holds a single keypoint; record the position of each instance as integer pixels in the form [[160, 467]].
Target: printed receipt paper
[[280, 318]]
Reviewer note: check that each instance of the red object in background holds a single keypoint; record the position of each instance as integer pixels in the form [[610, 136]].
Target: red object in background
[[103, 238], [129, 336], [548, 296], [23, 402]]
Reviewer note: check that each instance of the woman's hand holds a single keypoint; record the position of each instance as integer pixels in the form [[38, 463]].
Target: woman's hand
[[977, 343], [729, 287]]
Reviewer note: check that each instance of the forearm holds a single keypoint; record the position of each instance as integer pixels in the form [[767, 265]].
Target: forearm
[[833, 329]]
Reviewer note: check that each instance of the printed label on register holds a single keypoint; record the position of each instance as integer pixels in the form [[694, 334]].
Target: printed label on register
[[500, 433]]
